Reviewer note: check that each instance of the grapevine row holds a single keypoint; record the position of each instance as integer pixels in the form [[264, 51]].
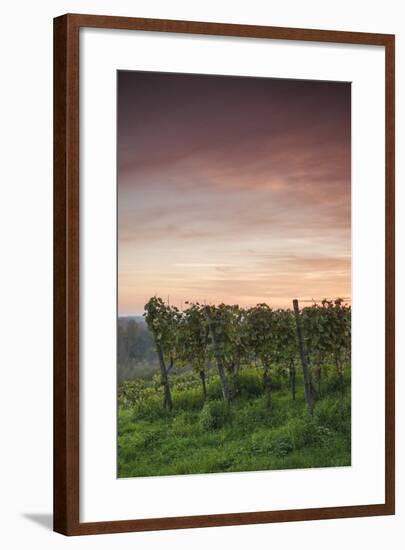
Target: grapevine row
[[230, 337]]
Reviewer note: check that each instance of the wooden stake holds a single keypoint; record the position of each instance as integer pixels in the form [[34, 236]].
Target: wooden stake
[[304, 363]]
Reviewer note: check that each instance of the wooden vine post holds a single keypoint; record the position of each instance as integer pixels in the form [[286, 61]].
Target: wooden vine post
[[164, 379], [220, 366], [309, 398]]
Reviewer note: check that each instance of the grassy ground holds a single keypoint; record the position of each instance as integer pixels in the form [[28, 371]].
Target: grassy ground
[[245, 436]]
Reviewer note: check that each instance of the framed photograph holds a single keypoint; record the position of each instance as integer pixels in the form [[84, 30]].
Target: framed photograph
[[223, 274]]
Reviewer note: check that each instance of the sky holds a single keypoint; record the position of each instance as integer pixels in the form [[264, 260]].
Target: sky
[[232, 189]]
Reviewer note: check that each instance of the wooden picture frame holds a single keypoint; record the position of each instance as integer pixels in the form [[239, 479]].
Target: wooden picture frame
[[66, 274]]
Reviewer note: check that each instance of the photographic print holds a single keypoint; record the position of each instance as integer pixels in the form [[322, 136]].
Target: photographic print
[[234, 274]]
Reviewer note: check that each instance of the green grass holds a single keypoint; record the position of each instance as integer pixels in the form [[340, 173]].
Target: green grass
[[199, 438]]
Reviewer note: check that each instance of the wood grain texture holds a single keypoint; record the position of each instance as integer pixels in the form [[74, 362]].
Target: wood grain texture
[[66, 273], [390, 274], [66, 276]]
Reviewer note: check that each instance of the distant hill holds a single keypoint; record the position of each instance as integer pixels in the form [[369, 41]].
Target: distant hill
[[136, 355]]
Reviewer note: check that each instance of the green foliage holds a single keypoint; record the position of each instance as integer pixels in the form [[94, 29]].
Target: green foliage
[[233, 337], [162, 320], [227, 328], [296, 434], [214, 389], [261, 321], [191, 399], [214, 415], [334, 414], [201, 433], [249, 383], [333, 382], [282, 445], [193, 337], [184, 423], [327, 330], [134, 393], [244, 436], [149, 409]]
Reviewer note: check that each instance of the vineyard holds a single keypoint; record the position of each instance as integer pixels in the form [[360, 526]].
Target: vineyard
[[239, 389]]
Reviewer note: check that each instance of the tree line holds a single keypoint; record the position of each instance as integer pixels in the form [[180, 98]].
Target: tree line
[[134, 341]]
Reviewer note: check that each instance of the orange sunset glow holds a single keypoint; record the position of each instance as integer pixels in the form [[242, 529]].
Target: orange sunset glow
[[232, 189]]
